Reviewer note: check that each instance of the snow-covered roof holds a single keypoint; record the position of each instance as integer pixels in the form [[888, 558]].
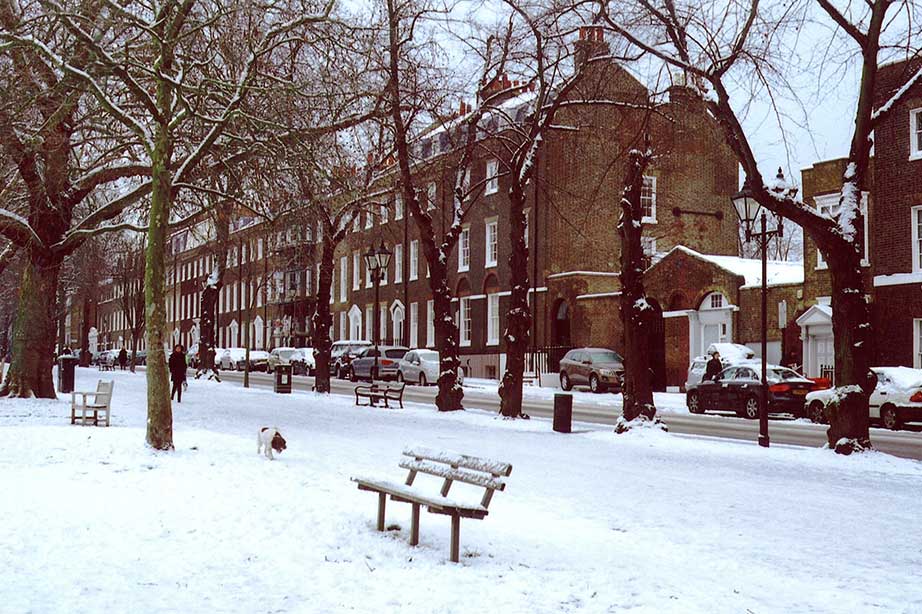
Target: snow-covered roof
[[750, 269]]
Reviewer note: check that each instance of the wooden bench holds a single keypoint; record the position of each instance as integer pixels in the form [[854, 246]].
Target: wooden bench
[[102, 400], [104, 366], [377, 392], [451, 468]]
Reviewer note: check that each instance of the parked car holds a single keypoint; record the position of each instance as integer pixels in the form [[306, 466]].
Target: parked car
[[362, 366], [232, 359], [738, 389], [308, 364], [421, 366], [108, 358], [896, 399], [342, 353], [140, 357], [599, 368], [259, 360], [283, 356], [730, 354]]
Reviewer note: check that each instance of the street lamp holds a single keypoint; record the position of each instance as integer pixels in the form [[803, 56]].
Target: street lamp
[[748, 209], [376, 261]]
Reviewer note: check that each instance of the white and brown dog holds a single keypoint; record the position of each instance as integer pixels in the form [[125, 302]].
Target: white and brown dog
[[270, 439]]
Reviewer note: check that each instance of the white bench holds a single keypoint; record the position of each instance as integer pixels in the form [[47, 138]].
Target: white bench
[[452, 468], [102, 399]]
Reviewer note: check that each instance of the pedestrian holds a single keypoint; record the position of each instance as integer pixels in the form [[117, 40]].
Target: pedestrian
[[122, 358], [714, 366], [177, 372]]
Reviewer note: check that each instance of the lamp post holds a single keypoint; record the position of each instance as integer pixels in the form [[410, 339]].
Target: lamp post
[[748, 209], [376, 261]]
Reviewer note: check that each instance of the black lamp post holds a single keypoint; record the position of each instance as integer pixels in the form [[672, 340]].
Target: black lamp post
[[376, 261], [748, 209]]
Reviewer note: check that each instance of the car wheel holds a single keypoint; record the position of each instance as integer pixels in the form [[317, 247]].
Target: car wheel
[[352, 377], [399, 377], [694, 403], [817, 413], [889, 418], [565, 382], [422, 380], [751, 408], [594, 384]]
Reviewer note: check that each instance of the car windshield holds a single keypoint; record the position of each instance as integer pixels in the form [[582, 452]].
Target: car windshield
[[781, 375], [287, 353], [428, 356], [604, 356]]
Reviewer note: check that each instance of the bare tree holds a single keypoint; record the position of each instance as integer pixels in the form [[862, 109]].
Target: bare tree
[[714, 43], [128, 277]]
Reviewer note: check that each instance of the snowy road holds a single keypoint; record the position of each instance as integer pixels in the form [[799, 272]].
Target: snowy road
[[605, 409]]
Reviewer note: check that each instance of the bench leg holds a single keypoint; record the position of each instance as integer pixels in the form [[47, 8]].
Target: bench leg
[[382, 500], [455, 538], [414, 526]]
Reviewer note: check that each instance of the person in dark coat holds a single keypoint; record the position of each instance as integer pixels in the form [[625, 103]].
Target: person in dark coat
[[714, 366], [177, 365], [123, 358]]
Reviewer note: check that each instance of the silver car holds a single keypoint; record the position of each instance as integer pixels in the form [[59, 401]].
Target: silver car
[[599, 368], [421, 366]]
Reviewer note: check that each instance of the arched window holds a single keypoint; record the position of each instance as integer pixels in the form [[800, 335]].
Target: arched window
[[714, 300]]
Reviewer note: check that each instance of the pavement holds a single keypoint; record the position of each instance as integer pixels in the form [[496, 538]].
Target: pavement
[[906, 444]]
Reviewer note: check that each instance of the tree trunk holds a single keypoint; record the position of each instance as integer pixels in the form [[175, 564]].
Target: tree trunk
[[636, 313], [159, 409], [323, 319], [518, 317], [85, 334], [848, 415], [34, 335], [450, 394]]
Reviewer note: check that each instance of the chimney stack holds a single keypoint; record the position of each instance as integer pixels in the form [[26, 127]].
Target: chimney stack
[[591, 44]]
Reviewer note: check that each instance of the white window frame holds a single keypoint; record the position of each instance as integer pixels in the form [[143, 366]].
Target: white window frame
[[493, 319], [430, 196], [369, 322], [648, 244], [398, 263], [369, 220], [356, 270], [343, 279], [384, 213], [915, 225], [491, 242], [464, 249], [414, 260], [649, 219], [414, 324], [831, 203], [464, 321], [342, 326], [492, 178], [398, 206], [430, 323], [915, 134], [917, 343]]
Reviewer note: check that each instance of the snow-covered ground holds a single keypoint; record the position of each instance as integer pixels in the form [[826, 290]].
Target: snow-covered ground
[[92, 521]]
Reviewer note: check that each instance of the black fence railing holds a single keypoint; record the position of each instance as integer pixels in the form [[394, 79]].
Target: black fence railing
[[545, 359]]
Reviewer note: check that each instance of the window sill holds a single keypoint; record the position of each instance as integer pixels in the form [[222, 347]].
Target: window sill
[[464, 269], [493, 342], [489, 265], [648, 220], [464, 344], [917, 155]]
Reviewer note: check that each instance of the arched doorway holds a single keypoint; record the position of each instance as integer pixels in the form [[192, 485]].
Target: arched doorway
[[560, 326]]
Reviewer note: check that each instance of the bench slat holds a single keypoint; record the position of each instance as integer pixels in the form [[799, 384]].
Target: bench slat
[[412, 494], [449, 473], [485, 465]]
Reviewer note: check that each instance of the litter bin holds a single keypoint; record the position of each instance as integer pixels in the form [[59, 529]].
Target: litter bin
[[66, 367], [283, 379], [563, 413]]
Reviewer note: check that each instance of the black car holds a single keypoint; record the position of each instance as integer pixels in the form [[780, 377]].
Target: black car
[[738, 389]]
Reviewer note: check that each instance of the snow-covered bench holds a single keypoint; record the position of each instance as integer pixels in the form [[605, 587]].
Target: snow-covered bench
[[102, 400], [451, 468], [377, 392]]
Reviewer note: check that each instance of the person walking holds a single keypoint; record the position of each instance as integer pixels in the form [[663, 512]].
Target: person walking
[[123, 358], [714, 366], [177, 366]]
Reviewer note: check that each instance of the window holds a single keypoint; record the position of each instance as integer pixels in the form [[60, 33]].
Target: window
[[430, 323], [398, 207], [917, 344], [397, 316], [782, 314], [367, 277], [464, 250], [648, 200], [430, 195], [308, 285], [492, 184], [384, 213], [319, 231], [649, 246], [916, 227], [828, 205], [414, 324], [382, 323], [527, 212], [357, 222], [356, 270], [369, 220], [915, 134], [342, 325], [398, 263], [259, 249], [492, 248], [414, 260], [714, 300], [464, 320], [369, 322], [493, 319], [343, 278]]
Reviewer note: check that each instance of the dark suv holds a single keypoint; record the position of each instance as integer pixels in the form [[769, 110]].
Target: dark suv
[[599, 368]]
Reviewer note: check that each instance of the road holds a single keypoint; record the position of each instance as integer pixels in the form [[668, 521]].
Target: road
[[899, 443]]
